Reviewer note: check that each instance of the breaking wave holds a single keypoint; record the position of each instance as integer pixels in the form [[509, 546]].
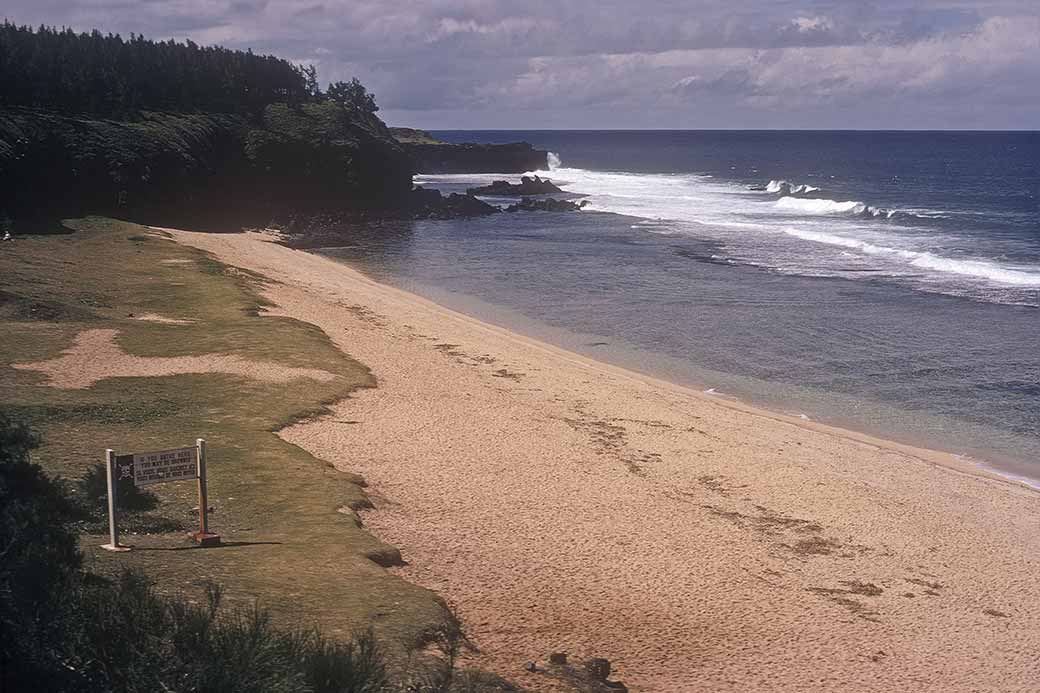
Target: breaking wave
[[554, 161], [855, 208], [934, 256], [785, 188], [979, 269]]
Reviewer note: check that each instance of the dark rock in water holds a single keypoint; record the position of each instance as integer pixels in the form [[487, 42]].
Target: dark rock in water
[[558, 658], [547, 205], [527, 186], [598, 668], [424, 203]]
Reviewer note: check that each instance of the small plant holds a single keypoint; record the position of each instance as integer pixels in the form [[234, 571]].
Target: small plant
[[441, 675], [142, 640]]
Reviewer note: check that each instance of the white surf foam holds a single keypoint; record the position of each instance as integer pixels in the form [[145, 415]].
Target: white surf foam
[[553, 160], [800, 205], [843, 232], [782, 186], [814, 206], [972, 268]]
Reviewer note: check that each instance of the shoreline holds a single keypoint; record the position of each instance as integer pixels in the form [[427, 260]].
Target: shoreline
[[978, 461], [564, 504]]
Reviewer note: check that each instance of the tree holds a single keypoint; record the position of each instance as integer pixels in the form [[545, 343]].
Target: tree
[[352, 94], [112, 76], [309, 74]]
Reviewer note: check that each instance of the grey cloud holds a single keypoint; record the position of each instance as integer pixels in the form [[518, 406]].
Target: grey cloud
[[791, 63]]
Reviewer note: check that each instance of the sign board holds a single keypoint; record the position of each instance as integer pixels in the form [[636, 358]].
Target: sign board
[[147, 468], [165, 465]]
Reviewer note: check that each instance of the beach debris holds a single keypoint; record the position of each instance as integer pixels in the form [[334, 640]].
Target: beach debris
[[559, 658], [598, 668], [530, 666]]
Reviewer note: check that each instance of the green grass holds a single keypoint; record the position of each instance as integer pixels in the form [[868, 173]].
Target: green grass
[[290, 539]]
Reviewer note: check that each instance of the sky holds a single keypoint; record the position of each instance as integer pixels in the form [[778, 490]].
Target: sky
[[602, 64]]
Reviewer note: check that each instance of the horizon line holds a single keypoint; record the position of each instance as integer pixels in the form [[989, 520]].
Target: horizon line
[[528, 129]]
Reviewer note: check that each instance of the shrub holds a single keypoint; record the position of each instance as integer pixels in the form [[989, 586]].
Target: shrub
[[94, 485], [65, 630], [141, 640], [39, 564]]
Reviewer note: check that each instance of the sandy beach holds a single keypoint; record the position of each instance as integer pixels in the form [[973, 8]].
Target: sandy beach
[[565, 505]]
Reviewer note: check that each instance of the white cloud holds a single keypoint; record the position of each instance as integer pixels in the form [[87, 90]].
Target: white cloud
[[807, 24]]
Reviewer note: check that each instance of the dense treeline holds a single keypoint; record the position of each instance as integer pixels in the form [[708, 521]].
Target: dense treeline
[[93, 123], [106, 74]]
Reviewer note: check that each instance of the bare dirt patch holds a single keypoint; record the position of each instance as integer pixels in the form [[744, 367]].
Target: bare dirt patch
[[95, 356], [162, 319]]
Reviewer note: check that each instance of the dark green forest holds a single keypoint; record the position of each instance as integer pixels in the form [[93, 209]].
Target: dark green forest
[[107, 75], [167, 132]]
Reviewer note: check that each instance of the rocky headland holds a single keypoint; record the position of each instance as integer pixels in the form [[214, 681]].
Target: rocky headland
[[431, 155]]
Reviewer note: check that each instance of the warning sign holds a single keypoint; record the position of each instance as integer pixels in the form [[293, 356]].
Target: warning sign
[[165, 465]]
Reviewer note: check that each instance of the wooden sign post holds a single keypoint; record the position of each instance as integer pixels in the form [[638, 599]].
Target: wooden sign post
[[204, 537], [148, 468]]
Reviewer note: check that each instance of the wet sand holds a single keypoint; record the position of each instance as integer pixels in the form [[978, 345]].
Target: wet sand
[[562, 504]]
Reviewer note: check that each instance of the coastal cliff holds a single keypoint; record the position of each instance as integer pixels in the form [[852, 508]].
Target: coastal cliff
[[152, 165], [172, 133], [431, 155]]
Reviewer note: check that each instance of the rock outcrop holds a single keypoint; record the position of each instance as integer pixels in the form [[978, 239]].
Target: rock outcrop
[[424, 203], [526, 186], [547, 205]]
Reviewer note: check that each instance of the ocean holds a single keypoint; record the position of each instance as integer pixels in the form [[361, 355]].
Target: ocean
[[887, 282]]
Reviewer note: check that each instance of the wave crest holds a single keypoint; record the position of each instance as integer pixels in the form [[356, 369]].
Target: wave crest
[[820, 206], [852, 208], [979, 269], [785, 188]]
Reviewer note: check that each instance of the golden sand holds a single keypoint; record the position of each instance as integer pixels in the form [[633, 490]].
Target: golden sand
[[701, 545]]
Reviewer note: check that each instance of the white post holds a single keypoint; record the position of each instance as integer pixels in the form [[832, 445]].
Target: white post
[[113, 528]]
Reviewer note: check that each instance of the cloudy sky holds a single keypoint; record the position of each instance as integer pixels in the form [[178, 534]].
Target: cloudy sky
[[630, 63]]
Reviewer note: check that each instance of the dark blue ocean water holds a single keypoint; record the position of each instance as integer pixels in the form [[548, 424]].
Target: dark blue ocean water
[[886, 281]]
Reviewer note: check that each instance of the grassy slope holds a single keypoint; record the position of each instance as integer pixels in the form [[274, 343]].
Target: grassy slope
[[276, 506]]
